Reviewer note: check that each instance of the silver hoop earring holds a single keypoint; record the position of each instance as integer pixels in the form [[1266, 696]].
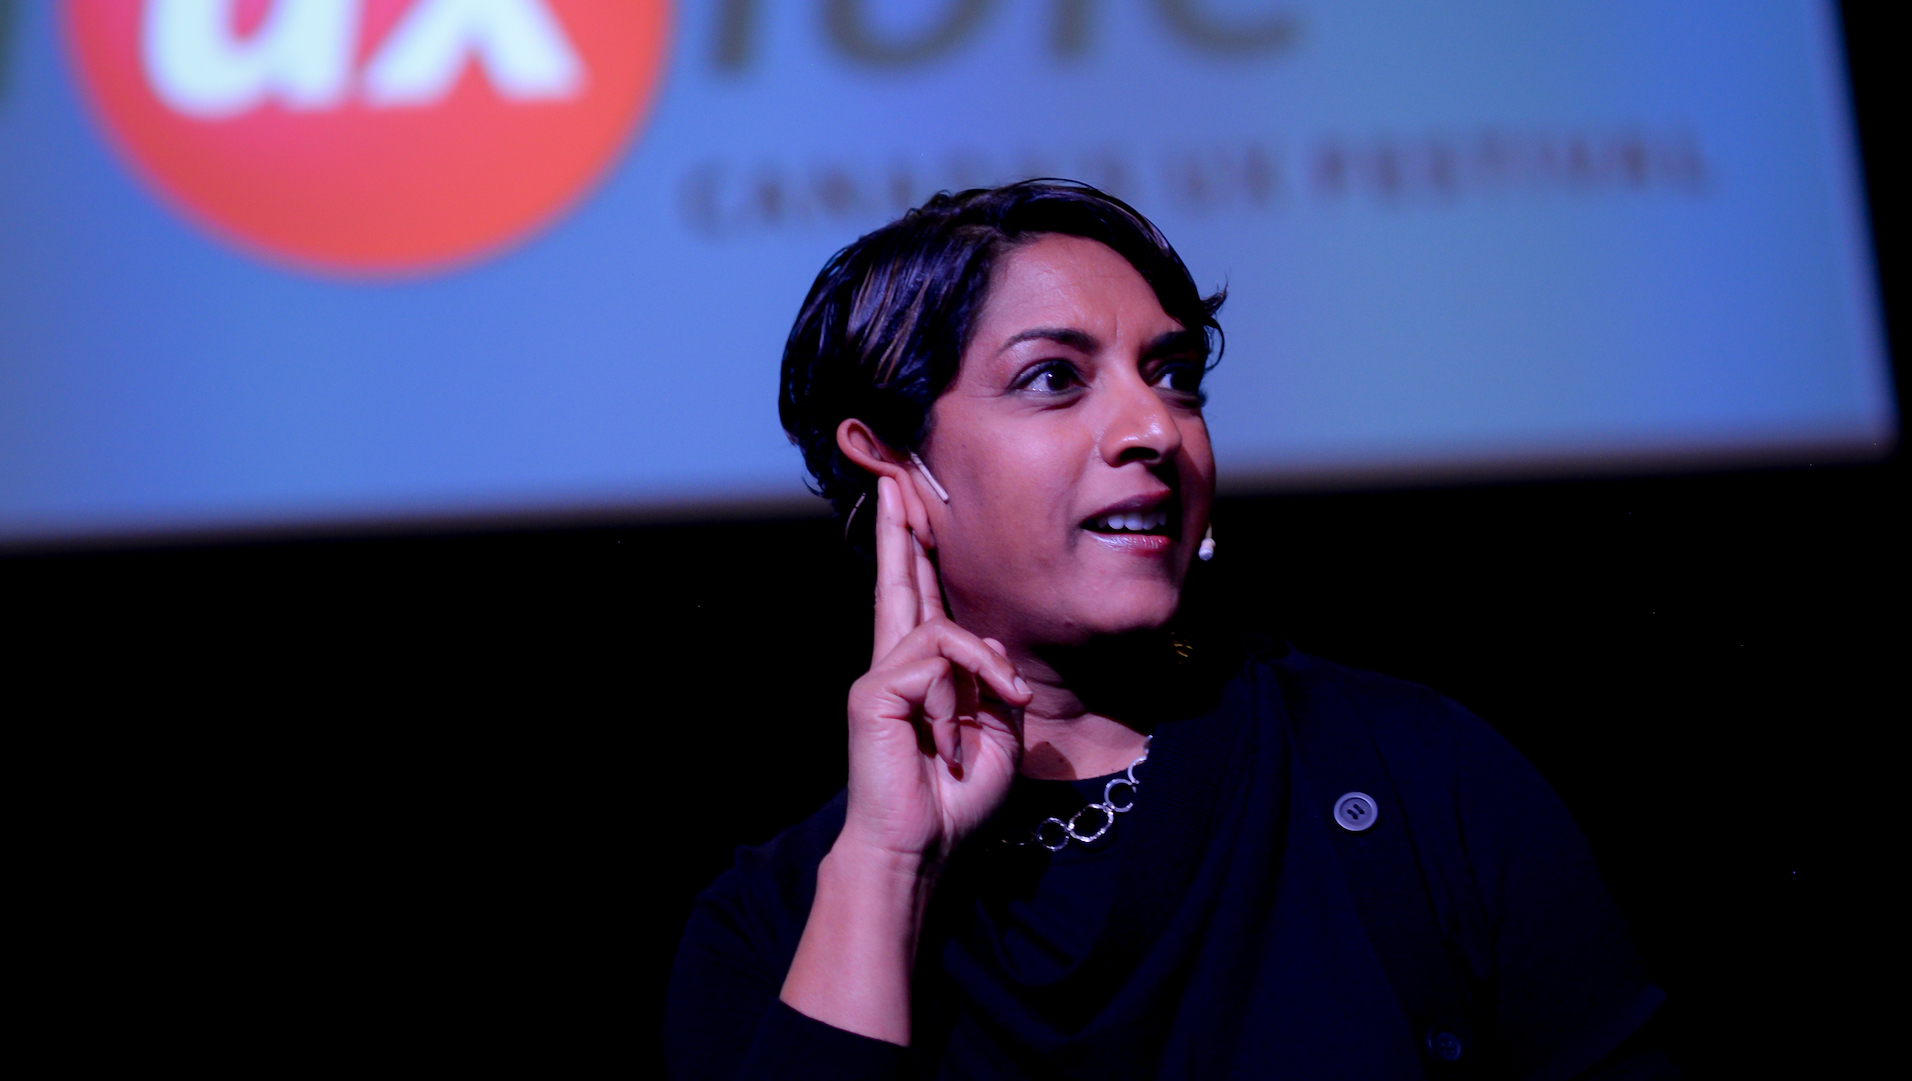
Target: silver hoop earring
[[851, 517]]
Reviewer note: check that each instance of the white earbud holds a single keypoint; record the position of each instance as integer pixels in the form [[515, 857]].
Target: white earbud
[[1207, 550], [931, 477]]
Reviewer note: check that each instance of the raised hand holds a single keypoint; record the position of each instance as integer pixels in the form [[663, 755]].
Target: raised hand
[[935, 723], [935, 740]]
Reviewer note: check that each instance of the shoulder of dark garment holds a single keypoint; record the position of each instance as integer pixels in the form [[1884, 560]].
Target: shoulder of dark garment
[[1219, 849]]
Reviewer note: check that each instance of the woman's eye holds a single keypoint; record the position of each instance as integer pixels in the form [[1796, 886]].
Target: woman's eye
[[1182, 377], [1052, 379]]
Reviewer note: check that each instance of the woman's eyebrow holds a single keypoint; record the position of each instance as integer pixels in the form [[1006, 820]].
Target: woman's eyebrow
[[1176, 341], [1074, 339]]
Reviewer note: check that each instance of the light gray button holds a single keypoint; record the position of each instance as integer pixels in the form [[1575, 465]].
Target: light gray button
[[1355, 811]]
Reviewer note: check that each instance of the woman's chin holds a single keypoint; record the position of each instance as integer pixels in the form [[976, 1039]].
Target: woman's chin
[[1137, 609]]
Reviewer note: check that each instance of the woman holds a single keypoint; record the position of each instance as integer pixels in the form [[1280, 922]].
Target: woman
[[1090, 830]]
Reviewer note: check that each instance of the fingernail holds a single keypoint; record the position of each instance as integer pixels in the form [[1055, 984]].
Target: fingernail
[[956, 756], [1021, 687]]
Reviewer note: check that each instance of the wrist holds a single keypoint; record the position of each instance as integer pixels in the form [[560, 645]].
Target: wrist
[[886, 884], [866, 857], [852, 967]]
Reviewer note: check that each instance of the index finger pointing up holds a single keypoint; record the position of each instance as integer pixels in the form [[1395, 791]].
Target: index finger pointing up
[[897, 601]]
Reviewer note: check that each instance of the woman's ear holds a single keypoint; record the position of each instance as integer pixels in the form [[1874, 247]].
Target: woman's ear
[[859, 443]]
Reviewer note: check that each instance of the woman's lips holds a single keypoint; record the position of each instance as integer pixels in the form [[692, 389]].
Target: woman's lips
[[1141, 544]]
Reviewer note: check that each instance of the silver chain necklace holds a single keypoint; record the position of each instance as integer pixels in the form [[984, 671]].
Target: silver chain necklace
[[1060, 833]]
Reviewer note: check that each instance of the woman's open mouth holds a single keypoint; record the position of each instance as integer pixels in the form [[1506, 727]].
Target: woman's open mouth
[[1146, 526], [1135, 521]]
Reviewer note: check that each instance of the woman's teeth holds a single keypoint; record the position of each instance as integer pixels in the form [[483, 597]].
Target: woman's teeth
[[1137, 522]]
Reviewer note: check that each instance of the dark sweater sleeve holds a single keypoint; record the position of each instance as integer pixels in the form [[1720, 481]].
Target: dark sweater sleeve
[[1570, 989], [722, 1017], [792, 1047]]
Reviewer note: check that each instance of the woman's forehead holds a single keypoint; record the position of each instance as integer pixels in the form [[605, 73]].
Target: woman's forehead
[[1062, 284]]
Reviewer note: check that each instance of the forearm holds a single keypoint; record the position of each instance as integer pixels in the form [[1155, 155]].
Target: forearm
[[853, 964]]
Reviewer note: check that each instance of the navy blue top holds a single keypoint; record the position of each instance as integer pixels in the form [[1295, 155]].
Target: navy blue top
[[1211, 932]]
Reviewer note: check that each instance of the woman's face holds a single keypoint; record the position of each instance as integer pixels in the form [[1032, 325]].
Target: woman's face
[[1074, 452]]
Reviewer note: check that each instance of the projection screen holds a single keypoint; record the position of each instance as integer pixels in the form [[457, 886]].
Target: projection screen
[[303, 263]]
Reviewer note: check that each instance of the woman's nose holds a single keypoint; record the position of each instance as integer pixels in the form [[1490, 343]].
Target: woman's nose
[[1140, 426]]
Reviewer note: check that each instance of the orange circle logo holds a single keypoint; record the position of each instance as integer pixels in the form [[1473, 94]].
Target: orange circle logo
[[370, 136]]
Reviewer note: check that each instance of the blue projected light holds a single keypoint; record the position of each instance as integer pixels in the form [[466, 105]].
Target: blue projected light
[[284, 262]]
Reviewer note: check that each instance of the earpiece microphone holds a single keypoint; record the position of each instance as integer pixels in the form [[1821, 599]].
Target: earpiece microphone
[[931, 477], [1207, 550]]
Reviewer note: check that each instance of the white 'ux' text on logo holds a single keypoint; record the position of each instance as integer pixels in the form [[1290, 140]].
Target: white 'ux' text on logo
[[302, 55]]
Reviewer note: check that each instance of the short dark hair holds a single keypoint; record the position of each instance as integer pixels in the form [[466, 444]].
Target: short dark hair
[[885, 326]]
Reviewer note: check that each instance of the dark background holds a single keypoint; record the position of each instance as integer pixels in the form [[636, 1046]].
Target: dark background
[[444, 800]]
